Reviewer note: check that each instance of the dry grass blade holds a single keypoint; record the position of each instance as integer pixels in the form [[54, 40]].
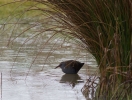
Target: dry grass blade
[[104, 28]]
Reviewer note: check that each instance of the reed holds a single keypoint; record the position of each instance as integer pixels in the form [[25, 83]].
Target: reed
[[104, 28]]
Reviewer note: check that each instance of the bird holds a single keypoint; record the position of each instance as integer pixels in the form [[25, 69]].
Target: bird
[[70, 66]]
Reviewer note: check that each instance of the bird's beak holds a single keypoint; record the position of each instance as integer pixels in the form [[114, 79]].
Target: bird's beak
[[57, 67]]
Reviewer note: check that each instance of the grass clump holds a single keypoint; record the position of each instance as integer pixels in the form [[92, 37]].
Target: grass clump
[[105, 29]]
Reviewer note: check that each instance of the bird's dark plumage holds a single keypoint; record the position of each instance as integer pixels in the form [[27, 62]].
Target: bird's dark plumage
[[70, 66]]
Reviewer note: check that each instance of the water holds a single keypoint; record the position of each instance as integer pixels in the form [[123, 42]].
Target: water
[[28, 71]]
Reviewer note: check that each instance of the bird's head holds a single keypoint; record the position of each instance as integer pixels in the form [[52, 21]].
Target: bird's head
[[61, 65]]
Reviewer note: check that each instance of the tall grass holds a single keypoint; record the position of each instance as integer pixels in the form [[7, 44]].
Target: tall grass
[[104, 26], [105, 29]]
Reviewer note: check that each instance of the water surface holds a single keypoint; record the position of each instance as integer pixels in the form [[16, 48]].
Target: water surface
[[28, 71]]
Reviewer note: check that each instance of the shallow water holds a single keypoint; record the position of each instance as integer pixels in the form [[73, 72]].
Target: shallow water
[[30, 74]]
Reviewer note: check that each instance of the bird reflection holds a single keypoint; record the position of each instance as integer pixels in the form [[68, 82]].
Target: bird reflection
[[72, 79]]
